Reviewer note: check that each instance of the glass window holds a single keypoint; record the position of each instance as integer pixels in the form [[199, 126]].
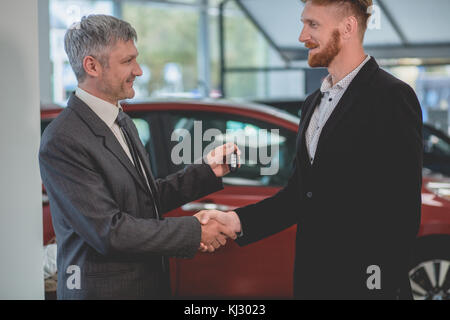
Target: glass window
[[44, 125], [169, 38], [267, 151], [432, 86], [143, 123], [143, 130], [436, 155], [245, 47], [167, 45], [62, 15], [266, 85], [433, 144]]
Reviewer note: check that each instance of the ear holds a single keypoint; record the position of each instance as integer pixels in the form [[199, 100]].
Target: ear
[[92, 66], [349, 28]]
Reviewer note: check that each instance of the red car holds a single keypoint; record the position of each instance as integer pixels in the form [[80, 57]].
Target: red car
[[264, 269]]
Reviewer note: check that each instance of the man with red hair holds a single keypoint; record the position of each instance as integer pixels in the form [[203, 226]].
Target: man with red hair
[[355, 190]]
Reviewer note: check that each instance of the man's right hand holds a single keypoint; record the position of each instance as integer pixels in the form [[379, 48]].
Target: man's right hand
[[230, 220], [214, 233]]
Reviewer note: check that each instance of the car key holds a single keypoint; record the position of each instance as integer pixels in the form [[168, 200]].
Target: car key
[[233, 162]]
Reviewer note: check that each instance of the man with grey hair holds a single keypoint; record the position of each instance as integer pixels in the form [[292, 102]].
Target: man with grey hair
[[106, 206]]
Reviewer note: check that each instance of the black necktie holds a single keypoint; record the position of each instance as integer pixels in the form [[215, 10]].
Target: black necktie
[[138, 162], [132, 145]]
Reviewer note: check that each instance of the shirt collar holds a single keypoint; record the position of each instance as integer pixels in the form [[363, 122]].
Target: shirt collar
[[345, 82], [103, 109]]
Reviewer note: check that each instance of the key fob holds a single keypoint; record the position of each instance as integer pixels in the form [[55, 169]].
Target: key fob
[[233, 162]]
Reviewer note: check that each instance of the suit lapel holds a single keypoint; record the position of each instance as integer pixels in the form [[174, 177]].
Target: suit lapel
[[100, 129], [356, 88], [144, 159]]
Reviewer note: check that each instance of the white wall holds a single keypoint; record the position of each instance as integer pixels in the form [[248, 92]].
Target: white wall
[[44, 52], [21, 251]]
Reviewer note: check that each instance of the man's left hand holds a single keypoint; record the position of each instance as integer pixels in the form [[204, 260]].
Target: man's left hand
[[217, 158]]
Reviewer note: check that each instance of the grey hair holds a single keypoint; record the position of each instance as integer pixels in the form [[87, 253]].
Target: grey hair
[[93, 36]]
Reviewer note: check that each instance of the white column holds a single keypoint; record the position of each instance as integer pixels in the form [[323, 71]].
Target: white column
[[45, 68], [21, 248]]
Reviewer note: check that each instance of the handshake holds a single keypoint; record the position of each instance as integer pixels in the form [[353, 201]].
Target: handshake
[[217, 226]]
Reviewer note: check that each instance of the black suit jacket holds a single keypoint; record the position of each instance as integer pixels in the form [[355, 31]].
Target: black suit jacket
[[105, 218], [358, 204]]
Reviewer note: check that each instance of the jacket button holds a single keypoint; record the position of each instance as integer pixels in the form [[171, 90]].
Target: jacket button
[[309, 194]]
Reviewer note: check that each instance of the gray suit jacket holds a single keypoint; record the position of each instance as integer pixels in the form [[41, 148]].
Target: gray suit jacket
[[111, 245]]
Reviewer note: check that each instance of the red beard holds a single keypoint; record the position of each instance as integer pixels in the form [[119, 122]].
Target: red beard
[[324, 57]]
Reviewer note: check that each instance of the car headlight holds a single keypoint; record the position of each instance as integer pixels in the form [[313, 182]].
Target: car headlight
[[441, 189]]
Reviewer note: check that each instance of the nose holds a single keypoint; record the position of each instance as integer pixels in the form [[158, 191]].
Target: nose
[[138, 71], [304, 35]]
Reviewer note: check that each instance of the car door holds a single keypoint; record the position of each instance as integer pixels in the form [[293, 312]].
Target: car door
[[262, 269]]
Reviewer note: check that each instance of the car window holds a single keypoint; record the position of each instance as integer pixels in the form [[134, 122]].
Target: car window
[[435, 144], [143, 121], [156, 130], [44, 124], [267, 150], [143, 129]]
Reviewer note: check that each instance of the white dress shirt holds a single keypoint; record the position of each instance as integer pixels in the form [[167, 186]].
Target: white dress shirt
[[108, 113], [331, 96]]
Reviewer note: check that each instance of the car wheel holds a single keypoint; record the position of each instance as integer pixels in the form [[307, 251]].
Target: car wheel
[[430, 274]]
